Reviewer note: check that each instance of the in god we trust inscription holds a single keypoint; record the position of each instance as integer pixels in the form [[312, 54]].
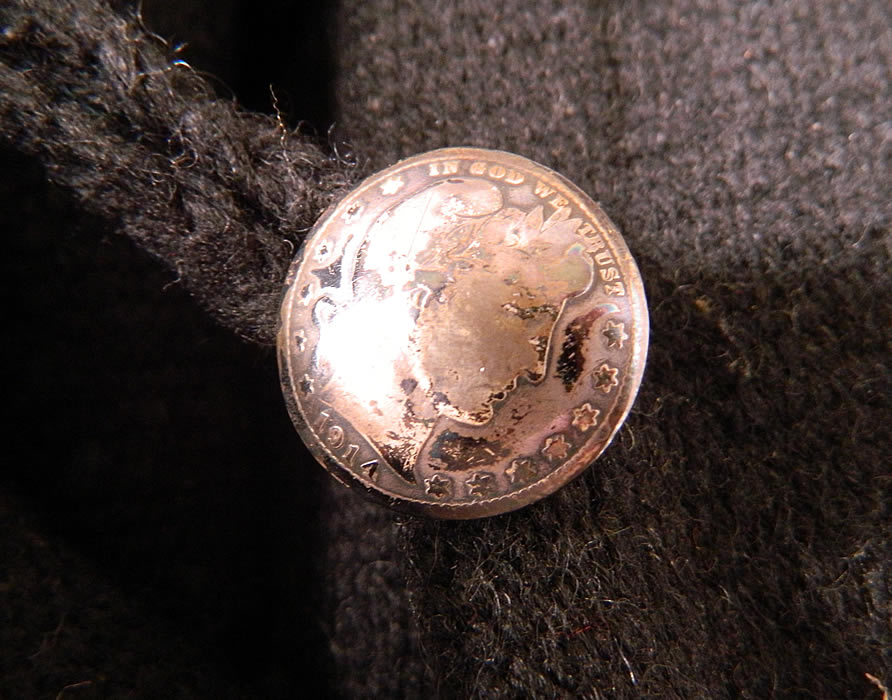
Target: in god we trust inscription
[[462, 334]]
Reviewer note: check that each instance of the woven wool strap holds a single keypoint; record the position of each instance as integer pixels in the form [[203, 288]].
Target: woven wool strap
[[221, 195]]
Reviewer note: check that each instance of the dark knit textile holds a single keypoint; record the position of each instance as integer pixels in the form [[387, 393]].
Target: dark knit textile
[[736, 539], [166, 534]]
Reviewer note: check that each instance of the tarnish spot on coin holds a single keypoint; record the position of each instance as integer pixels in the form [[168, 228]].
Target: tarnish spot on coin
[[353, 212], [526, 313], [329, 276], [454, 452], [518, 413], [322, 251], [399, 457], [571, 363]]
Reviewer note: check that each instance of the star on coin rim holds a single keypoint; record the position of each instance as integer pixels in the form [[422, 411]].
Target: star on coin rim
[[562, 474]]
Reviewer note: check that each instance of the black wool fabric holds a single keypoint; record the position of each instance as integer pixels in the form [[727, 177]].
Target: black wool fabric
[[735, 541], [168, 530]]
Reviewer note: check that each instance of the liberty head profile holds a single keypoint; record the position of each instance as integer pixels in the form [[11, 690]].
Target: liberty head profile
[[449, 302]]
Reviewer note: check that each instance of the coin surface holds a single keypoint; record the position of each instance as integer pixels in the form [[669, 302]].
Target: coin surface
[[462, 334]]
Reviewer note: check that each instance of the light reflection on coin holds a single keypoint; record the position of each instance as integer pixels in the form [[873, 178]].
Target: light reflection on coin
[[462, 334]]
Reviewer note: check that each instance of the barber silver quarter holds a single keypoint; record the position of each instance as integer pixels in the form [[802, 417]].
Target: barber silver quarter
[[462, 334]]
